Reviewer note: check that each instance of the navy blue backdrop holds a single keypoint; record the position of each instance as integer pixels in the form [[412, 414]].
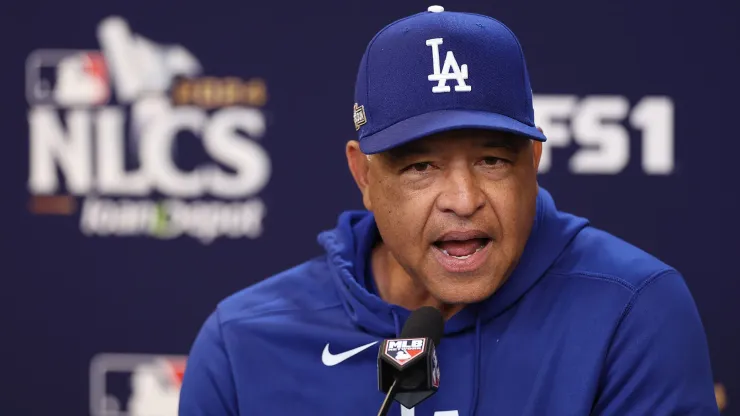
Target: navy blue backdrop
[[160, 156]]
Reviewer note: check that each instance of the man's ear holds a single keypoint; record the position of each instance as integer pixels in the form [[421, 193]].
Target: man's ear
[[537, 150], [359, 166]]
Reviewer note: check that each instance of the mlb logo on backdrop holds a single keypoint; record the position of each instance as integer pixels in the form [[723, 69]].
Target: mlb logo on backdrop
[[67, 78], [135, 384]]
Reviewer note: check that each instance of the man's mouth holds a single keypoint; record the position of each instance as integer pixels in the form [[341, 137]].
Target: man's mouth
[[462, 249]]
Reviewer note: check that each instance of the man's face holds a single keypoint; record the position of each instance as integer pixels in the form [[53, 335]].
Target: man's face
[[455, 209]]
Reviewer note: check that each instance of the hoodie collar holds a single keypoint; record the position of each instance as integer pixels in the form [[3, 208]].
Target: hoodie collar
[[348, 247]]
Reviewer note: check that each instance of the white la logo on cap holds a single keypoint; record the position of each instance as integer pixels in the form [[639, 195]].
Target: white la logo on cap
[[441, 76]]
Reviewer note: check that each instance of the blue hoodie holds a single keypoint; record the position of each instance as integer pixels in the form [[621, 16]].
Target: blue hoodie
[[586, 324]]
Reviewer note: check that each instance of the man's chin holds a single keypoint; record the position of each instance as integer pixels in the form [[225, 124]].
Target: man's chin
[[464, 294]]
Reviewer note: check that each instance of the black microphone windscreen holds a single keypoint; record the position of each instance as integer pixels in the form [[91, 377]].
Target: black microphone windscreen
[[425, 322]]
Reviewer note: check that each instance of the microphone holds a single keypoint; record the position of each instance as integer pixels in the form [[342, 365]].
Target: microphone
[[408, 371]]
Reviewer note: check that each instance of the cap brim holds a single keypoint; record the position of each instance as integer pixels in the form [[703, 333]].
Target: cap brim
[[440, 121]]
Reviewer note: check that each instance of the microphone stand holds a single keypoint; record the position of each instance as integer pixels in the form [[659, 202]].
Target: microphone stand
[[389, 399]]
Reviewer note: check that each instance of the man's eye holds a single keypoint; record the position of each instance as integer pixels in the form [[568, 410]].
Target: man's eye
[[420, 167], [493, 161]]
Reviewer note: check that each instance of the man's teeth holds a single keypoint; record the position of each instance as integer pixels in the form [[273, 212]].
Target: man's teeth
[[463, 257]]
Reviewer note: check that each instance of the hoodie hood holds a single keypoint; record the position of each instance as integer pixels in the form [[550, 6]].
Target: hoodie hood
[[551, 232]]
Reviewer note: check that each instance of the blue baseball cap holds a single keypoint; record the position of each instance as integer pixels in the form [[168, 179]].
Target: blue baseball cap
[[438, 71]]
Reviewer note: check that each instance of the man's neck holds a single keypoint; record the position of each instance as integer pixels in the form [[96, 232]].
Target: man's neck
[[397, 287]]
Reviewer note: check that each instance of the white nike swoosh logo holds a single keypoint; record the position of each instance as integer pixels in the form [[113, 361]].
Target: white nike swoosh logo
[[330, 359]]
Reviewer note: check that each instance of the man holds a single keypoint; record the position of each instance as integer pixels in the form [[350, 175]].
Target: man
[[545, 315]]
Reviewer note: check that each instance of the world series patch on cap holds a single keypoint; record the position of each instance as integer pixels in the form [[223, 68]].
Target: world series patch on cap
[[438, 71]]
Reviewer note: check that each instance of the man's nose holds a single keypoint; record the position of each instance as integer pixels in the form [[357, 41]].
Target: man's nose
[[461, 193]]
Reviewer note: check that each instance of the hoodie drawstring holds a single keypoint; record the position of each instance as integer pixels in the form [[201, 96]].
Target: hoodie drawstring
[[476, 367], [396, 323]]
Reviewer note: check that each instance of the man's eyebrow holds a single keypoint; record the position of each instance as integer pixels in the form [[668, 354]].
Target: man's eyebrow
[[407, 150], [509, 142], [422, 148]]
